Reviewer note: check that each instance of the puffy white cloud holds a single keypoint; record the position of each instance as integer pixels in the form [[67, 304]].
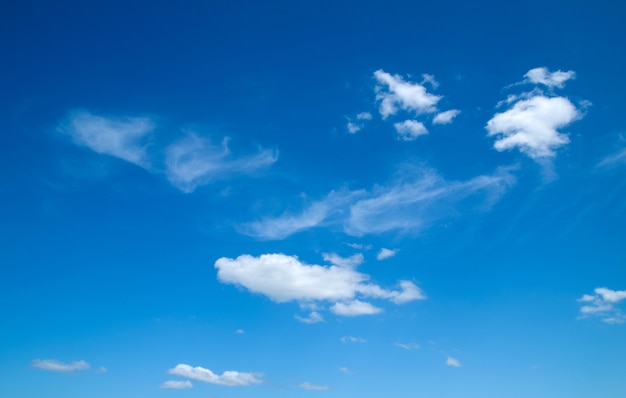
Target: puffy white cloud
[[314, 317], [395, 93], [177, 384], [355, 308], [315, 387], [602, 304], [409, 130], [450, 361], [195, 161], [550, 79], [123, 137], [229, 378], [408, 346], [531, 125], [58, 366], [410, 203], [285, 278], [446, 117], [385, 253]]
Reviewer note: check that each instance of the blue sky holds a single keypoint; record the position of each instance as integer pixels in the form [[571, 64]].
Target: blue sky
[[363, 199]]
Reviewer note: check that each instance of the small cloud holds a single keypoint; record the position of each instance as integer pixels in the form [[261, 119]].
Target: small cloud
[[603, 304], [453, 362], [385, 254], [349, 262], [314, 387], [240, 331], [177, 385], [408, 346], [352, 339], [430, 79], [355, 308], [409, 130], [229, 378], [314, 317], [345, 370], [57, 366], [102, 369], [359, 246], [446, 117], [550, 79], [614, 159], [355, 125]]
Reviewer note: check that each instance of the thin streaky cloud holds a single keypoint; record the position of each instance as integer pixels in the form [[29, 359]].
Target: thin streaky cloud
[[176, 385], [313, 387], [57, 366], [120, 137], [313, 317], [614, 159], [352, 339], [408, 346]]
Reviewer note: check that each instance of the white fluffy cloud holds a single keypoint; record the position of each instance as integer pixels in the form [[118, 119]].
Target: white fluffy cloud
[[355, 125], [285, 278], [409, 130], [534, 118], [603, 304], [410, 203], [385, 254], [315, 387], [531, 125], [229, 378], [195, 161], [450, 361], [395, 93], [58, 366], [408, 346], [123, 137], [177, 384], [550, 79], [314, 317], [446, 117]]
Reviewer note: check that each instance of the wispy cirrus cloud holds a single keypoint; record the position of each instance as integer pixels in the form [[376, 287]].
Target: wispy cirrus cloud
[[455, 363], [614, 159], [121, 137], [230, 378], [415, 200], [177, 384], [285, 278], [194, 161], [57, 366], [189, 162], [603, 304], [532, 122], [408, 346], [314, 387]]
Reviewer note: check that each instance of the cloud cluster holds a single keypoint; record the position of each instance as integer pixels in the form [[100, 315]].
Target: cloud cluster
[[603, 304], [410, 203], [58, 366], [355, 125], [189, 162], [533, 119], [229, 378], [285, 278]]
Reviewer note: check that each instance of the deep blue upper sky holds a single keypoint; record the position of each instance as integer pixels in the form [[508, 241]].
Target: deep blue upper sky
[[362, 199]]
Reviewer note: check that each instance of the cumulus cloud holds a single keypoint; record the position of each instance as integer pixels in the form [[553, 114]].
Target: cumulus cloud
[[58, 366], [385, 254], [177, 384], [411, 203], [409, 130], [314, 317], [195, 161], [354, 308], [446, 117], [533, 119], [315, 387], [450, 361], [550, 79], [603, 304], [357, 123], [285, 278], [408, 346], [123, 137], [532, 125], [394, 93], [229, 378]]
